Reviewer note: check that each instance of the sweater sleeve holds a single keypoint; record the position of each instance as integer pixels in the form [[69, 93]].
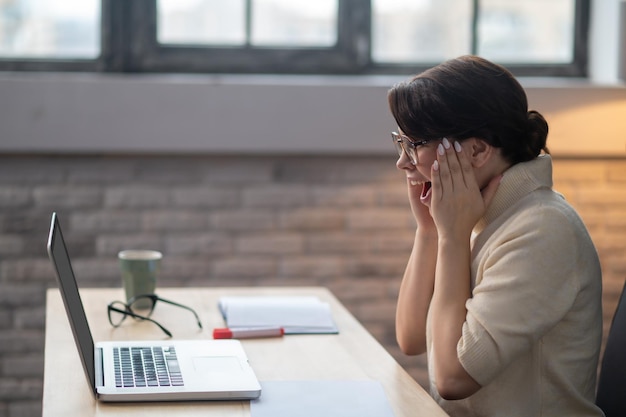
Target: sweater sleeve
[[527, 284]]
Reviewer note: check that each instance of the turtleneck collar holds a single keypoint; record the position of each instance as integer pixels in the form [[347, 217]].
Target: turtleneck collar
[[517, 182]]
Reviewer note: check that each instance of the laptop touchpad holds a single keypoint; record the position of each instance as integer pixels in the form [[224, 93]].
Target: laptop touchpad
[[216, 364]]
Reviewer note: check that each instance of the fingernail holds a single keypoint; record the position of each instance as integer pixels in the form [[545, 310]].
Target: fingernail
[[436, 165], [457, 146], [446, 143], [440, 149]]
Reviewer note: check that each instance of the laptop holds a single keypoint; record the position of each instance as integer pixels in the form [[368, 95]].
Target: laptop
[[162, 370]]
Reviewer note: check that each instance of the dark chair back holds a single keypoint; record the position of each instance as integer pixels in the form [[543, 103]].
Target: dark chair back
[[611, 394]]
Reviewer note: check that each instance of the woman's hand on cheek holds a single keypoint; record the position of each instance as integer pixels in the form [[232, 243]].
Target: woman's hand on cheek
[[457, 202]]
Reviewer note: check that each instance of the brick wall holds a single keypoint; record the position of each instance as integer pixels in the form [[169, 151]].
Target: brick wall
[[341, 222]]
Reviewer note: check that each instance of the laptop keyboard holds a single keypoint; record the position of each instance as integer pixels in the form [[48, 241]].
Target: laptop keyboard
[[146, 367]]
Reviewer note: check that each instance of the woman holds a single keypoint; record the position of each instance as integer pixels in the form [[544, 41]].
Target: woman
[[503, 285]]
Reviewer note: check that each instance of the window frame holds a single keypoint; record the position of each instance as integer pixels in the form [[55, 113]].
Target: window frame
[[129, 44], [349, 55]]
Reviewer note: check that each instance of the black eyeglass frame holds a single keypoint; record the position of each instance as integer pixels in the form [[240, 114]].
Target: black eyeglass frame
[[128, 311], [406, 145]]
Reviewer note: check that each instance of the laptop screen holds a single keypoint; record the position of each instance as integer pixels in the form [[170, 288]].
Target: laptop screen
[[71, 298]]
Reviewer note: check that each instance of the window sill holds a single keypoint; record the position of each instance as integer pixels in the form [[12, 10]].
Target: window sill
[[113, 113]]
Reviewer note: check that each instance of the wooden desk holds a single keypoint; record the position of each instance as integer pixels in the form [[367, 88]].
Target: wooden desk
[[353, 354]]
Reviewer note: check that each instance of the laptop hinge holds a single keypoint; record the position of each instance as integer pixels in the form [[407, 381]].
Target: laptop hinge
[[99, 365]]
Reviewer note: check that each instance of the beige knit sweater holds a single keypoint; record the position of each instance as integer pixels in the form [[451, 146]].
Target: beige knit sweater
[[534, 323]]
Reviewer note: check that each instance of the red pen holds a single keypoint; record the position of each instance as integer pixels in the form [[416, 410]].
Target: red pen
[[248, 333]]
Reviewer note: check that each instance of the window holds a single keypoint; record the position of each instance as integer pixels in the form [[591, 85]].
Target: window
[[270, 23], [406, 31], [43, 29], [531, 37], [516, 32]]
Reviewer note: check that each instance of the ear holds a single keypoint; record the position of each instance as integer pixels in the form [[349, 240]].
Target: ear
[[480, 151]]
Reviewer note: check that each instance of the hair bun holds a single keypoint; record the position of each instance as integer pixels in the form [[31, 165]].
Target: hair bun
[[537, 132]]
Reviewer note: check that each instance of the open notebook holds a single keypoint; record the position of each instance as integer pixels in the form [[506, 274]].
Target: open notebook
[[295, 314]]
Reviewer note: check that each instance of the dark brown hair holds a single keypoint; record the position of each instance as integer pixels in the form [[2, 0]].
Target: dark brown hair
[[470, 97]]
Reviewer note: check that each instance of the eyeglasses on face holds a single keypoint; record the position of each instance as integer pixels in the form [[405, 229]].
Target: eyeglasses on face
[[405, 145], [141, 307]]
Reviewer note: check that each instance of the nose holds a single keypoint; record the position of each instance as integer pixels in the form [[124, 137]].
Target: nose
[[404, 162]]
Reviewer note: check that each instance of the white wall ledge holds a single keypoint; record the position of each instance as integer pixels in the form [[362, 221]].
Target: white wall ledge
[[121, 113]]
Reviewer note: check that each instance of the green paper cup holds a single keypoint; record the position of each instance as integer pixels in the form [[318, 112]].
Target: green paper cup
[[140, 270]]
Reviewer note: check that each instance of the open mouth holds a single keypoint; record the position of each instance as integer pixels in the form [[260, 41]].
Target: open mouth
[[426, 188]]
